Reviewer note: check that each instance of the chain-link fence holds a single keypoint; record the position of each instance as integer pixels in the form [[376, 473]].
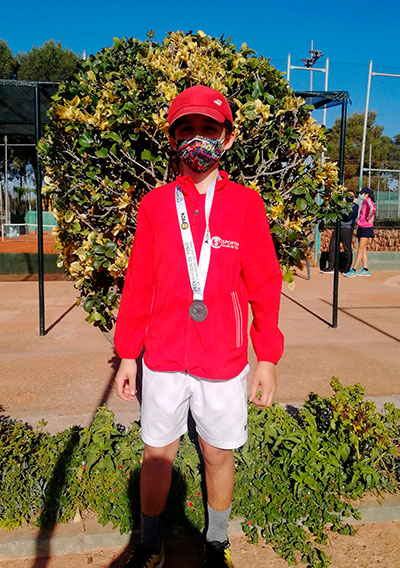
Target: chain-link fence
[[18, 200]]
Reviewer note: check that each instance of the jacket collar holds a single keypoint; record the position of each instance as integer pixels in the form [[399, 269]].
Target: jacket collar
[[187, 185]]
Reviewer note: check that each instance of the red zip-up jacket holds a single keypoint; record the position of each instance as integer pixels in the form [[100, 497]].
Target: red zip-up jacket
[[154, 309]]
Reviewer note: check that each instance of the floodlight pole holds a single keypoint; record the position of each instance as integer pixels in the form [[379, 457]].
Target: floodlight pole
[[375, 74], [335, 302], [369, 165], [311, 69], [326, 88], [312, 47], [365, 126], [39, 214]]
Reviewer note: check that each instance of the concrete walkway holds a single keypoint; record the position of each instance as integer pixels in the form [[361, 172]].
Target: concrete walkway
[[66, 375]]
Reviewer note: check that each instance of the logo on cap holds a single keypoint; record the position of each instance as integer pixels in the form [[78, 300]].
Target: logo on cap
[[217, 102]]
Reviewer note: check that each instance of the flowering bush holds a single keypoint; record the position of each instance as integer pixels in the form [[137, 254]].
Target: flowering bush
[[106, 145]]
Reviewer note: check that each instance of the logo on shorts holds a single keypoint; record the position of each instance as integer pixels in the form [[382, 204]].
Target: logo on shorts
[[217, 242]]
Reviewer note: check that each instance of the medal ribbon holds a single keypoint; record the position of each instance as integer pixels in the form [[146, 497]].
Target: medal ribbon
[[197, 272]]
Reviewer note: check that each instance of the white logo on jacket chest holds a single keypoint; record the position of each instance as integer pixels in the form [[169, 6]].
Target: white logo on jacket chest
[[217, 242]]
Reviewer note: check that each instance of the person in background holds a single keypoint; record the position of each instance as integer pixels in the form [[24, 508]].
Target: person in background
[[365, 231], [346, 237]]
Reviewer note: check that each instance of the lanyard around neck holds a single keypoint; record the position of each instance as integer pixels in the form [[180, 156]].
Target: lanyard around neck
[[197, 271]]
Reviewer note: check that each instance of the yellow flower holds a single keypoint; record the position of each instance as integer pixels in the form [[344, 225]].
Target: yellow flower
[[132, 85], [254, 185], [92, 76], [295, 225], [119, 265], [169, 90], [124, 201], [292, 104], [276, 211]]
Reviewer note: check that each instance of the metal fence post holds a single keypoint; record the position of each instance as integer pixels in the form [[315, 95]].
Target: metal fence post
[[39, 213]]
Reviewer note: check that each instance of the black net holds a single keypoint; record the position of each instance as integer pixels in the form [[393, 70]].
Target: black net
[[17, 105]]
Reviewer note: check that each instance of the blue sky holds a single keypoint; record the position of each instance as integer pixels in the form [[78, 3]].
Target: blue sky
[[349, 32]]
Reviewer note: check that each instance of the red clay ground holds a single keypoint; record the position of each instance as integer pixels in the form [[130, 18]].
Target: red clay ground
[[28, 243]]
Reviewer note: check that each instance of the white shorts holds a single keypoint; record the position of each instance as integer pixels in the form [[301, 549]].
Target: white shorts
[[219, 408]]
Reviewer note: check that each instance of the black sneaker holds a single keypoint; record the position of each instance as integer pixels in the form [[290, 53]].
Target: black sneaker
[[217, 555], [143, 558], [327, 271]]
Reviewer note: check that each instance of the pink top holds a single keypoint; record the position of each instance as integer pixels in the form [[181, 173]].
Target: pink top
[[366, 218]]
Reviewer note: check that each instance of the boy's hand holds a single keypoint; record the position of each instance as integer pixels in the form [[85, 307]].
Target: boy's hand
[[125, 379], [264, 380]]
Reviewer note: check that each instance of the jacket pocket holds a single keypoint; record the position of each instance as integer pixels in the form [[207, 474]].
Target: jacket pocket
[[237, 310]]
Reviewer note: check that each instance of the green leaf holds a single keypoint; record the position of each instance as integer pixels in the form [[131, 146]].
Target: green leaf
[[69, 216], [345, 452], [85, 140], [113, 136], [298, 190], [87, 306], [258, 90], [301, 204], [146, 155], [102, 153]]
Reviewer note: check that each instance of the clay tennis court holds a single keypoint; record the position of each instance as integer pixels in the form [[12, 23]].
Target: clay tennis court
[[28, 243]]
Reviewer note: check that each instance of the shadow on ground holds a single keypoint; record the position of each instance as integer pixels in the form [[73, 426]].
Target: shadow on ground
[[183, 542], [306, 309], [348, 312]]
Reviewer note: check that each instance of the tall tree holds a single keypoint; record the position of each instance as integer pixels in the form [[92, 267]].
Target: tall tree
[[385, 153], [47, 63], [8, 63]]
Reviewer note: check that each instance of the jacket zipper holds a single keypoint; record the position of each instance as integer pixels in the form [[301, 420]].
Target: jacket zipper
[[238, 319]]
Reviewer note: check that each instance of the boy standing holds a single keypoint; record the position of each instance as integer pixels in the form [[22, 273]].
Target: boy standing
[[202, 252]]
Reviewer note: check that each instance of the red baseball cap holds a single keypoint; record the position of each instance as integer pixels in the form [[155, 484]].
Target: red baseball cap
[[200, 100]]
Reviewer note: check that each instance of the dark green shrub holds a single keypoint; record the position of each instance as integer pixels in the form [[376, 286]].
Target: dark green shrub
[[295, 477]]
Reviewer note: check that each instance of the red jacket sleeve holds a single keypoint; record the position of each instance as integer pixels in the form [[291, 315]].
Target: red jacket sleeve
[[134, 310], [263, 278]]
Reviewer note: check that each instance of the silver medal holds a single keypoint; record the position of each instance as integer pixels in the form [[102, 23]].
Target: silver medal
[[197, 270], [198, 311]]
